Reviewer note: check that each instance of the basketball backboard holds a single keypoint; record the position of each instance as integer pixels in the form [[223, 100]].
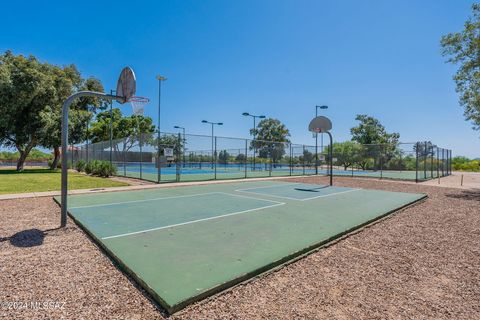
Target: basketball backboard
[[126, 85], [320, 124]]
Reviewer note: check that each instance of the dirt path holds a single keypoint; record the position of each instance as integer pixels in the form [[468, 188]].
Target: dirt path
[[420, 263]]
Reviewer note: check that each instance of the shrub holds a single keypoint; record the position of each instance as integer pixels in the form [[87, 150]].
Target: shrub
[[90, 166], [59, 164], [80, 165], [100, 168], [106, 169]]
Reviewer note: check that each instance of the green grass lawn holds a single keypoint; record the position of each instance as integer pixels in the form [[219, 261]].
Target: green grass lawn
[[37, 180]]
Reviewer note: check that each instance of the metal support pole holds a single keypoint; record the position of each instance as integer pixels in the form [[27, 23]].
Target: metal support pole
[[159, 163], [215, 153], [382, 151], [65, 112], [291, 159], [124, 160], [425, 160], [331, 158], [141, 153], [88, 124], [443, 162], [430, 151], [111, 126], [450, 162], [316, 144], [184, 147], [177, 158], [303, 162], [254, 141], [321, 145], [416, 161], [246, 159]]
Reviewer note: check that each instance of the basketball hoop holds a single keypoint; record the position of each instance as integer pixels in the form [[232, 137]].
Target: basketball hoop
[[138, 104]]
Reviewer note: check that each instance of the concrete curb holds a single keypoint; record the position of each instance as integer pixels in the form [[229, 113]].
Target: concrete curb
[[134, 187]]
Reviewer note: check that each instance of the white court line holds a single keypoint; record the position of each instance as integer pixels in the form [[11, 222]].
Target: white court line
[[268, 195], [145, 200], [247, 197], [199, 220], [296, 199], [272, 186], [331, 194]]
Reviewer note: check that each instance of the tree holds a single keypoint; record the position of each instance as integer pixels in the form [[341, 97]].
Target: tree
[[241, 158], [347, 153], [463, 49], [223, 157], [25, 90], [126, 129], [67, 81], [270, 138], [371, 131], [31, 99], [170, 141], [307, 157], [378, 145]]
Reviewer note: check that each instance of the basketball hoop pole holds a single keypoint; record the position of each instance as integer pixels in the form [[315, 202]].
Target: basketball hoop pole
[[65, 111]]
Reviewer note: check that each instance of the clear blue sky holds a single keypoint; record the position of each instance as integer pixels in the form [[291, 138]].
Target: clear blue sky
[[278, 58]]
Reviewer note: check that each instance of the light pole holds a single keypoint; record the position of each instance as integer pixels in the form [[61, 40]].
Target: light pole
[[184, 142], [246, 114], [159, 170], [316, 138], [213, 124]]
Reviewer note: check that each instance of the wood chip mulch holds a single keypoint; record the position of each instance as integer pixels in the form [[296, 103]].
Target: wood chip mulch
[[420, 263]]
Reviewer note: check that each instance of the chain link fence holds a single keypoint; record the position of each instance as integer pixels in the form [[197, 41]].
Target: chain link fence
[[170, 157]]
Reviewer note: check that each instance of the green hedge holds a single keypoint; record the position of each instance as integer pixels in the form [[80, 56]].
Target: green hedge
[[96, 168]]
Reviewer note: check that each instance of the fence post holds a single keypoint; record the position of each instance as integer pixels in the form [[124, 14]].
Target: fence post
[[214, 158], [416, 161], [443, 162], [425, 160], [381, 160], [246, 157], [178, 157], [159, 170], [450, 162], [141, 155], [71, 150], [303, 160], [291, 159], [430, 151]]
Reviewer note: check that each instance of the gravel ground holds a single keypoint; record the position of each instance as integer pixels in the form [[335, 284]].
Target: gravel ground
[[422, 263]]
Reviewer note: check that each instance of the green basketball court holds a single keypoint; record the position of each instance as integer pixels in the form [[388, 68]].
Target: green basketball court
[[183, 244]]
